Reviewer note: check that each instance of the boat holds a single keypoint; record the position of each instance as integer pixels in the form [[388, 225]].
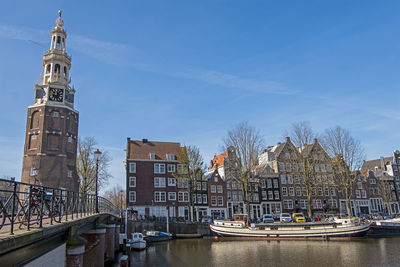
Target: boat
[[390, 227], [157, 236], [337, 228], [137, 242]]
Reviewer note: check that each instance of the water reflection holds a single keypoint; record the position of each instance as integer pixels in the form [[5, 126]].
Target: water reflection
[[205, 252]]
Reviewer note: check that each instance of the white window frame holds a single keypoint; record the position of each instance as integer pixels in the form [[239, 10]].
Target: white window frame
[[171, 168], [132, 181], [171, 181], [284, 191], [159, 168], [213, 201], [276, 195], [152, 156], [159, 196], [220, 201], [159, 182], [132, 196], [283, 179], [219, 188], [172, 196], [204, 198], [69, 174], [170, 157], [132, 167], [288, 204], [213, 188]]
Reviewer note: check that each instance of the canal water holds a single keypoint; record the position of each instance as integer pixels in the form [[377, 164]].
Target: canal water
[[208, 252]]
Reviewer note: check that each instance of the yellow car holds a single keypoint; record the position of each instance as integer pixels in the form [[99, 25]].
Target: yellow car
[[298, 217]]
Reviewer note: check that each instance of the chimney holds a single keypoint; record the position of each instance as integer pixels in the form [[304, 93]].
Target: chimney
[[287, 139], [12, 179], [145, 141], [315, 140]]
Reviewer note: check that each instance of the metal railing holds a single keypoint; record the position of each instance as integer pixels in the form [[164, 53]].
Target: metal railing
[[26, 206]]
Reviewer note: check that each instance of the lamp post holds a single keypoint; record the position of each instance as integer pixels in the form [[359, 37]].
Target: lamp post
[[97, 154], [122, 206]]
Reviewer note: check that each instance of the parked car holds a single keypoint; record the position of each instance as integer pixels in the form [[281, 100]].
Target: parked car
[[206, 219], [376, 216], [386, 216], [268, 218], [308, 219], [285, 217], [365, 217], [298, 217], [276, 216]]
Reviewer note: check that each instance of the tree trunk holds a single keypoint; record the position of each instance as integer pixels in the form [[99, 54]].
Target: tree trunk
[[348, 203], [309, 211]]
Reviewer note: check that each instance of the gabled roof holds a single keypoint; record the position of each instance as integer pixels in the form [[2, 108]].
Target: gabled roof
[[219, 160], [141, 149], [371, 164]]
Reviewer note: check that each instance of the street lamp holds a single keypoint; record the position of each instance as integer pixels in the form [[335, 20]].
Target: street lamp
[[97, 154]]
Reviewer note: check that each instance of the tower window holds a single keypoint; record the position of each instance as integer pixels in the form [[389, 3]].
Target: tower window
[[69, 139], [69, 174], [55, 114], [65, 71], [48, 69], [58, 42], [57, 68]]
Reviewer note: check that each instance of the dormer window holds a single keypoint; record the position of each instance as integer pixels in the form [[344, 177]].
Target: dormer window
[[170, 157], [152, 156]]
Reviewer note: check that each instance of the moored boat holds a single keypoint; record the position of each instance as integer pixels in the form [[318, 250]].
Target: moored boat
[[390, 227], [157, 236], [137, 242], [337, 228]]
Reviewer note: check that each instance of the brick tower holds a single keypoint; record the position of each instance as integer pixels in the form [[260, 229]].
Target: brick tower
[[52, 122]]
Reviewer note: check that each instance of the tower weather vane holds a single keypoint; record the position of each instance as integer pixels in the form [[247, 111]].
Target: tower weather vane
[[60, 12]]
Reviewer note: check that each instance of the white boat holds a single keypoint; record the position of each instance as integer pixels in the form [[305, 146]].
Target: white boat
[[390, 227], [326, 230], [137, 242]]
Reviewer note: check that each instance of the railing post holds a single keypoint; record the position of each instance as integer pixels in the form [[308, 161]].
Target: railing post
[[41, 197], [66, 206], [29, 208], [51, 213], [13, 208]]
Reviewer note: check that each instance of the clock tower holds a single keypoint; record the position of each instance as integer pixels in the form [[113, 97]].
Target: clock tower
[[52, 122]]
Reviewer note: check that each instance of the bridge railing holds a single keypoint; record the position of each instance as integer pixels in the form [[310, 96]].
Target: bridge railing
[[29, 206]]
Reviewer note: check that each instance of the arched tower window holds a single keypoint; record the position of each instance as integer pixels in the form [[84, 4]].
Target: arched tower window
[[63, 43], [48, 68], [57, 68], [58, 42], [35, 120], [65, 71], [55, 119], [53, 42]]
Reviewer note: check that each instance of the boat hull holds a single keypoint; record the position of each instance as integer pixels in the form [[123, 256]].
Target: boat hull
[[293, 231], [138, 246]]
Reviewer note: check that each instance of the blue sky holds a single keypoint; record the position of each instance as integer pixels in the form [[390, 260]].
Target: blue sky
[[187, 71]]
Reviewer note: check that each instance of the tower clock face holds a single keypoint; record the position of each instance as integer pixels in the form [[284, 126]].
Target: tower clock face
[[56, 94]]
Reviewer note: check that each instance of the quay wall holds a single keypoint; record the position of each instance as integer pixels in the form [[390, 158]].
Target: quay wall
[[174, 227]]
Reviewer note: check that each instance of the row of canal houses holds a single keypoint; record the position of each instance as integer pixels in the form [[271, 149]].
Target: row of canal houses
[[155, 189]]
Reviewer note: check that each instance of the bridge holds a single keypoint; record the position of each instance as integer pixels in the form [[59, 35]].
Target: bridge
[[42, 226]]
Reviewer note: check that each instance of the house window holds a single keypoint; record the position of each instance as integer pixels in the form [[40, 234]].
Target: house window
[[213, 201], [269, 183], [55, 114], [198, 185], [264, 195], [296, 179], [288, 167], [159, 196], [316, 167], [199, 198], [333, 192], [194, 198], [303, 191], [204, 199], [263, 185], [289, 179], [182, 169], [159, 168], [159, 182], [281, 166], [152, 156], [69, 174], [276, 184], [276, 194], [283, 179], [298, 191], [240, 196], [320, 192], [270, 195], [228, 185], [183, 196], [69, 139], [288, 204], [317, 204], [363, 193], [171, 195], [255, 197], [132, 167], [171, 167], [233, 185], [303, 204], [171, 182], [229, 195], [132, 196], [323, 169], [204, 187], [170, 157], [372, 181], [132, 181], [291, 191], [326, 191], [332, 203], [220, 201], [358, 194], [183, 183], [213, 189], [284, 191], [219, 188]]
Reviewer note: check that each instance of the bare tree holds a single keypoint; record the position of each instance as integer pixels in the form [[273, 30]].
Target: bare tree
[[244, 143], [386, 191], [86, 166], [117, 196], [348, 156], [192, 171], [301, 133]]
